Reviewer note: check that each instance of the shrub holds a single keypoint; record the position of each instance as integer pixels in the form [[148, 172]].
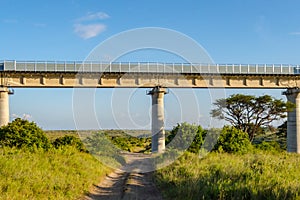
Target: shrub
[[22, 133], [69, 140], [104, 150], [186, 136], [272, 146], [232, 140]]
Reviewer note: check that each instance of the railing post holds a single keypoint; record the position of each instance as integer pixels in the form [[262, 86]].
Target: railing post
[[248, 68], [265, 68], [129, 68], [208, 66], [15, 65], [147, 67], [173, 68], [273, 68], [65, 66], [280, 68], [200, 68]]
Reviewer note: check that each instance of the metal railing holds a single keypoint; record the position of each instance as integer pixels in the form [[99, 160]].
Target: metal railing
[[147, 67]]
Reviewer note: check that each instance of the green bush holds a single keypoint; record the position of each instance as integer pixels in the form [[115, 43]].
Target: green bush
[[232, 140], [22, 133], [186, 136], [69, 140], [104, 150], [271, 146]]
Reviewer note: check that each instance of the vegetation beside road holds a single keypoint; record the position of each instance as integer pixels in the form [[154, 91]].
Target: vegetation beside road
[[246, 163], [53, 174], [255, 175], [34, 167]]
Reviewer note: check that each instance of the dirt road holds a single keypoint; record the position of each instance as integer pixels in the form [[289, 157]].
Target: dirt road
[[129, 182]]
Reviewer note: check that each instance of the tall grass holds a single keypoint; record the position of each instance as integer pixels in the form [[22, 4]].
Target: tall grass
[[258, 175], [55, 174]]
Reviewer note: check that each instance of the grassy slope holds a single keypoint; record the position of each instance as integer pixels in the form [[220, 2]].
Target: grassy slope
[[57, 174], [223, 176]]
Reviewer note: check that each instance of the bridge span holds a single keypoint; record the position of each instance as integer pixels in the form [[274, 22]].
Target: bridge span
[[158, 76]]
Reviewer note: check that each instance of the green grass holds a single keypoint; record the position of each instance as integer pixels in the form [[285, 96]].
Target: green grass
[[259, 175], [56, 174]]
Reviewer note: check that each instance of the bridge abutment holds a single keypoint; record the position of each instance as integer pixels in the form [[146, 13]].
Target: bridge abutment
[[4, 106], [293, 122], [158, 131]]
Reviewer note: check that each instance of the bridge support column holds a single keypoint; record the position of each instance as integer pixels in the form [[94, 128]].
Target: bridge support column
[[293, 122], [4, 106], [158, 131]]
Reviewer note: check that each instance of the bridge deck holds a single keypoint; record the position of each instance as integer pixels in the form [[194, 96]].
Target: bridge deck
[[140, 67]]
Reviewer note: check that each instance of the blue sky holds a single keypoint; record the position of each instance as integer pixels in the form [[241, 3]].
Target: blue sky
[[232, 31]]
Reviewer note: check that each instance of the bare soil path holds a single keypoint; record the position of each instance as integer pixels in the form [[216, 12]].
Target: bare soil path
[[129, 182]]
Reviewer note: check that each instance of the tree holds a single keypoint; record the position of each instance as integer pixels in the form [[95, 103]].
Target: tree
[[22, 133], [248, 113], [282, 130]]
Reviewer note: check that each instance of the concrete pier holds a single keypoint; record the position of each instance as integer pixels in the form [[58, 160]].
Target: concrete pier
[[4, 106], [293, 122], [158, 131]]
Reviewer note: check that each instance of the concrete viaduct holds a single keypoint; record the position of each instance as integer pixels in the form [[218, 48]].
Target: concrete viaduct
[[159, 77]]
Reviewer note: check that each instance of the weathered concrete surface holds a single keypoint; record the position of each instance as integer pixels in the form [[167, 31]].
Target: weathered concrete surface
[[147, 80], [4, 106], [293, 122], [158, 119]]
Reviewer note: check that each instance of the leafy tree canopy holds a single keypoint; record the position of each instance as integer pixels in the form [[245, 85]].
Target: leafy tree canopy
[[22, 133], [248, 113]]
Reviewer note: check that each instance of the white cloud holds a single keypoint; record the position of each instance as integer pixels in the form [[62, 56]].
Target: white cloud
[[93, 16], [89, 30], [24, 116], [88, 26]]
